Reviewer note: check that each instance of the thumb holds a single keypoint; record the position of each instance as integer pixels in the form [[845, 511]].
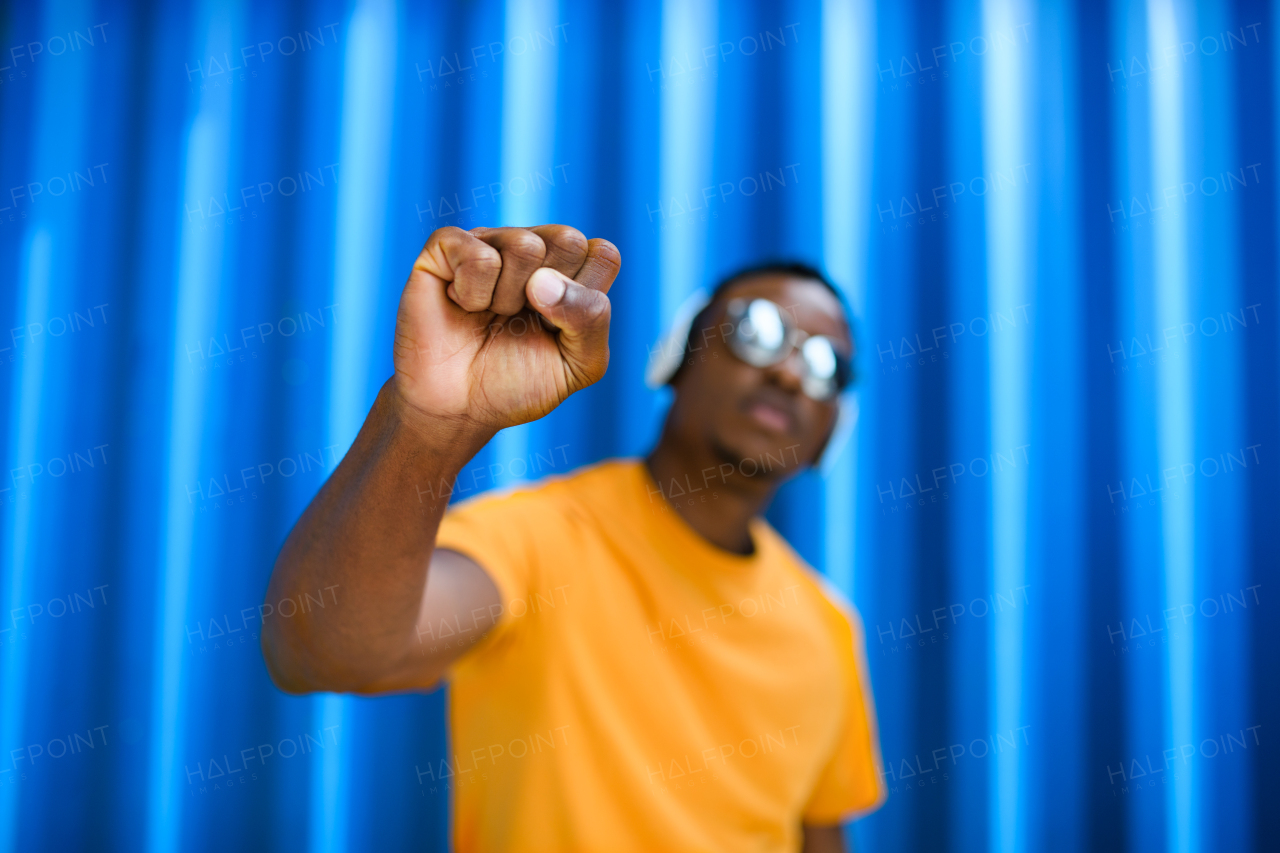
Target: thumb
[[581, 314]]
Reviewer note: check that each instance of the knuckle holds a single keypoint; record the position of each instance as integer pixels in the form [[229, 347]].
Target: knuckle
[[470, 299], [446, 233], [568, 240], [607, 253], [480, 273], [489, 261], [439, 241], [477, 248], [475, 281], [472, 258], [524, 248]]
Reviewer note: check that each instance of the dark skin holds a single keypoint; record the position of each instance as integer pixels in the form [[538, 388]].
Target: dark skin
[[497, 327], [716, 416]]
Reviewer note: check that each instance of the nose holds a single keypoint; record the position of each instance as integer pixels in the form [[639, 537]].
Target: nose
[[788, 373]]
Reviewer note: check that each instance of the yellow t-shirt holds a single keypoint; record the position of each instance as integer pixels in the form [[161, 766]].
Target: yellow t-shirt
[[643, 689]]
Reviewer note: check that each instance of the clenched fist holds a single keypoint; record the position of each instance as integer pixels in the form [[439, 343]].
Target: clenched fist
[[499, 325]]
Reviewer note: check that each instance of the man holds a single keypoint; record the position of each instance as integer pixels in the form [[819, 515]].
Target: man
[[637, 661]]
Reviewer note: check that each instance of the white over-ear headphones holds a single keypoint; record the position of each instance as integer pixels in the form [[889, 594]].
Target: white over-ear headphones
[[665, 360]]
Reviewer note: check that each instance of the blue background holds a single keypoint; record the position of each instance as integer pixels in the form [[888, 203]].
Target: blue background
[[1056, 223]]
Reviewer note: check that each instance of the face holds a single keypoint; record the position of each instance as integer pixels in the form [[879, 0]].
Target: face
[[742, 412]]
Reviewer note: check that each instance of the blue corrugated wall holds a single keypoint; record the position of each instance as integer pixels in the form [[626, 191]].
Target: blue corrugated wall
[[1055, 221]]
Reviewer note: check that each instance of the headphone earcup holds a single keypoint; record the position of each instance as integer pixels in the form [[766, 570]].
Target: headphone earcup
[[665, 361]]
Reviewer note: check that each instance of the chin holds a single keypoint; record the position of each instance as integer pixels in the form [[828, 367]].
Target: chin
[[742, 449]]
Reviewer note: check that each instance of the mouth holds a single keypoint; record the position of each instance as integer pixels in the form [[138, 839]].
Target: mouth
[[772, 418]]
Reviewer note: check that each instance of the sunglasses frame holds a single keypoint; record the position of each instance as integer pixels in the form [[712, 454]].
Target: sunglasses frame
[[794, 338]]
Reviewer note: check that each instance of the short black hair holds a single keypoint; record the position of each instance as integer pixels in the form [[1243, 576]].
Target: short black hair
[[795, 269]]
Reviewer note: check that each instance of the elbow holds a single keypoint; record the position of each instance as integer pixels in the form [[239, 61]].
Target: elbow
[[285, 667], [298, 671], [288, 682]]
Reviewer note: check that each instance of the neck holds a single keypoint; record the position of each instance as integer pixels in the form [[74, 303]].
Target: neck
[[723, 519]]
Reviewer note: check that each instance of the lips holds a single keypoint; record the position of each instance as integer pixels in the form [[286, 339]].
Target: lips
[[770, 417]]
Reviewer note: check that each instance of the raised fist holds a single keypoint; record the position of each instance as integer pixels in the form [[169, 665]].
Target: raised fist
[[499, 325]]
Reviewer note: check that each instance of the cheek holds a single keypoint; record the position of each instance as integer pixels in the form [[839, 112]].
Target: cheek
[[706, 386], [816, 420], [721, 376]]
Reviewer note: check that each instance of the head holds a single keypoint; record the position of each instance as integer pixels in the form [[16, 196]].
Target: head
[[729, 411]]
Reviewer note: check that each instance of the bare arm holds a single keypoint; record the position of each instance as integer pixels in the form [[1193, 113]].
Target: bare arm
[[366, 534], [823, 839], [482, 342]]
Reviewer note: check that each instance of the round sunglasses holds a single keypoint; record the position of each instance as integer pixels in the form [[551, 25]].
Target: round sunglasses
[[764, 335]]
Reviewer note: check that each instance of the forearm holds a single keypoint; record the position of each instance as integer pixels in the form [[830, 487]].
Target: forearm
[[369, 535]]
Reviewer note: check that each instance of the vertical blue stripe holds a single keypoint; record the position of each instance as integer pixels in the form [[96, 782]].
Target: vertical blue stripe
[[46, 244], [199, 276], [847, 133], [368, 92], [686, 146], [1008, 238], [1174, 440], [528, 110], [528, 151], [19, 519]]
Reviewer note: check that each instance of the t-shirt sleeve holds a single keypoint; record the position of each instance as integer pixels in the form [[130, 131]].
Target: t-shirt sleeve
[[505, 535], [852, 782]]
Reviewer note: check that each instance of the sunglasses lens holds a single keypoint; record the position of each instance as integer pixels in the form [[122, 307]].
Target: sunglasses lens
[[760, 337], [766, 324], [820, 357], [821, 368]]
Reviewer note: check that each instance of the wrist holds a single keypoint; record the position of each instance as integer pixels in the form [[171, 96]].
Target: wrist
[[439, 432]]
